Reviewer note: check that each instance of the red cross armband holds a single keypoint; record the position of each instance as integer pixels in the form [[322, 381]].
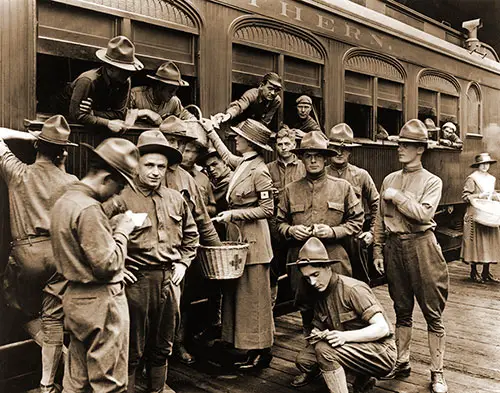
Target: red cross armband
[[265, 195]]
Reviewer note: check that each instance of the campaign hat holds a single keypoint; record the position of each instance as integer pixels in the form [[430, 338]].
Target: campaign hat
[[314, 141], [342, 135], [55, 131], [254, 132], [431, 126], [174, 126], [313, 251], [120, 154], [413, 131], [483, 158], [153, 141], [120, 53], [169, 73]]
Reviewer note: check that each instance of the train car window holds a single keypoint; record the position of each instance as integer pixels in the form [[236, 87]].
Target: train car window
[[372, 102], [474, 107]]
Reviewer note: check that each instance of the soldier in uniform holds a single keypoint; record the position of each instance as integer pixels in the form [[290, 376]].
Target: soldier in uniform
[[286, 169], [406, 245], [157, 102], [259, 103], [91, 256], [99, 97], [342, 142], [175, 130], [33, 190], [304, 121], [361, 343], [318, 205], [159, 253]]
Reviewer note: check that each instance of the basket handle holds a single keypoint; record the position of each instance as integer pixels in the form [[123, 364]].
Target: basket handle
[[240, 236], [198, 110]]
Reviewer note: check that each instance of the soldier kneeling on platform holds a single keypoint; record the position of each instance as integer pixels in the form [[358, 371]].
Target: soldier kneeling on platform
[[349, 331]]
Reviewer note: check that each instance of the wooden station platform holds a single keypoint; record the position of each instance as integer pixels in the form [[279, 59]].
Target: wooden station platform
[[472, 360]]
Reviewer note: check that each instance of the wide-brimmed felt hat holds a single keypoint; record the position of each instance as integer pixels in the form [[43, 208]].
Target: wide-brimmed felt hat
[[273, 78], [483, 158], [153, 141], [313, 251], [120, 53], [120, 154], [413, 131], [174, 126], [449, 124], [431, 126], [304, 100], [341, 135], [169, 73], [254, 132], [314, 141], [55, 131]]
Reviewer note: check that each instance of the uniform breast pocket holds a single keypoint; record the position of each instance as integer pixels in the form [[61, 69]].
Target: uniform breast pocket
[[142, 238], [335, 213], [297, 210], [176, 224]]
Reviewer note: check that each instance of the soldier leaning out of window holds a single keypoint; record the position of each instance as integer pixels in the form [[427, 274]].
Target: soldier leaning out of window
[[449, 136]]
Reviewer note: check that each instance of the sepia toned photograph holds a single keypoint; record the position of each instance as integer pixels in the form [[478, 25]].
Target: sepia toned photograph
[[249, 196]]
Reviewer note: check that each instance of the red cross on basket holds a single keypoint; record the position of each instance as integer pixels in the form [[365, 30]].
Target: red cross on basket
[[236, 262]]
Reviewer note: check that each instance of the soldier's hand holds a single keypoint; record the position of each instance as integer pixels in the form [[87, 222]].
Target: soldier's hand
[[86, 106], [115, 126], [323, 231], [154, 117], [179, 272], [366, 238], [300, 232], [335, 338], [390, 193], [379, 265], [207, 124], [223, 217], [130, 277], [125, 224]]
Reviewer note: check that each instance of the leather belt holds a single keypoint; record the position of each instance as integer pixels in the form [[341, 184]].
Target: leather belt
[[29, 240]]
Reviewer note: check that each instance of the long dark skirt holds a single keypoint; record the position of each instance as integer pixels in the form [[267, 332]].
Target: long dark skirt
[[247, 319]]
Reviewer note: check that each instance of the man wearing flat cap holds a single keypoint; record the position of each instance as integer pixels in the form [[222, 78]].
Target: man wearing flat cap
[[91, 256], [350, 331], [406, 247], [342, 142], [259, 103], [159, 253], [157, 102], [449, 136], [33, 190], [318, 205], [99, 97], [304, 120]]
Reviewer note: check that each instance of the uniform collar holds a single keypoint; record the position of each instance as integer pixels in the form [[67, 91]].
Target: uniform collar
[[317, 178], [413, 168], [294, 161], [145, 190]]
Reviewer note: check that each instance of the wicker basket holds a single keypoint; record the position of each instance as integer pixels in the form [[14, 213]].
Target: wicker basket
[[486, 212], [224, 262]]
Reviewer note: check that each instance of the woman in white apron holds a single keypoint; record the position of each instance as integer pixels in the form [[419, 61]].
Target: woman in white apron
[[480, 243]]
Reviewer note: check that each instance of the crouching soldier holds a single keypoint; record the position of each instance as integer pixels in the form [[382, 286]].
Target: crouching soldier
[[91, 256], [159, 254], [349, 331]]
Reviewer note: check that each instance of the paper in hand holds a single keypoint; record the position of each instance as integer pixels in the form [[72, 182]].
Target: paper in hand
[[137, 218]]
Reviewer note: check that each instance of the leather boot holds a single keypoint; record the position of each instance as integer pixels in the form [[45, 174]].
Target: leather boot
[[180, 350], [436, 350], [336, 381], [486, 276], [51, 356], [403, 341], [158, 378], [474, 275]]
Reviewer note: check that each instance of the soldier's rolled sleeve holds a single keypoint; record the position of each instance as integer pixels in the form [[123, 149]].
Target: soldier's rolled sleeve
[[81, 91], [364, 302], [105, 253], [354, 217]]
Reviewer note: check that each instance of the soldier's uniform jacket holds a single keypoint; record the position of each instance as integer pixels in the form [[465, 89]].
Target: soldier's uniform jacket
[[307, 125], [169, 232], [363, 186], [325, 200], [141, 97], [206, 190], [283, 174], [219, 188], [251, 106]]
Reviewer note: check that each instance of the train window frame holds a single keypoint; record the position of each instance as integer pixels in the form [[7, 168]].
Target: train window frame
[[442, 85], [251, 31], [378, 67], [479, 108]]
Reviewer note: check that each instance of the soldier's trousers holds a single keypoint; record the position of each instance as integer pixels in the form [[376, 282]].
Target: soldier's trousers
[[153, 303], [97, 318], [416, 269], [373, 358]]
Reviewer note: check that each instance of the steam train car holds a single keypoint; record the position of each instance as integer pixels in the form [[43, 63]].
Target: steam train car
[[373, 68]]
